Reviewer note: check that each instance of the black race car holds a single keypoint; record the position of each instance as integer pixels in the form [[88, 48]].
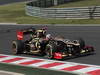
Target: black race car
[[53, 47]]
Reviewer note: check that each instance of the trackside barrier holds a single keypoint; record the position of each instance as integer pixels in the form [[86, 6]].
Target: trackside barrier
[[92, 12]]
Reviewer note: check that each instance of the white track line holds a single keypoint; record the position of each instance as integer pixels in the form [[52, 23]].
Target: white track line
[[15, 24], [85, 70], [6, 58], [9, 73], [40, 63], [63, 66], [23, 60]]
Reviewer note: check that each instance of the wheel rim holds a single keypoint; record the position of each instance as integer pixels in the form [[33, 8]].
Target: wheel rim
[[49, 52], [14, 48]]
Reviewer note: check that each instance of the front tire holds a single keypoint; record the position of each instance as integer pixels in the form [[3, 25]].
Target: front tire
[[49, 52]]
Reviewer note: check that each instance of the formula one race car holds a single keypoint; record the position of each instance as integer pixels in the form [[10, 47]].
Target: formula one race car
[[53, 47]]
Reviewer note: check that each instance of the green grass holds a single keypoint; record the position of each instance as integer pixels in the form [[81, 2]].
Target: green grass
[[80, 3], [16, 13]]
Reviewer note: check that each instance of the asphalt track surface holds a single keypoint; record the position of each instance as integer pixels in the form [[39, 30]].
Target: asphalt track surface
[[91, 35], [2, 2]]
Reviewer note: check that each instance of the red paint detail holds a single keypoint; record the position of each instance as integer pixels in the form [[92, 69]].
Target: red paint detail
[[30, 62], [12, 60], [33, 56], [51, 65], [75, 67], [19, 35], [95, 72], [57, 55], [86, 47], [3, 56]]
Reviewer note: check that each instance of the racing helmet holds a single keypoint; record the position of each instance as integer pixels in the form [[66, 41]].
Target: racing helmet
[[48, 36]]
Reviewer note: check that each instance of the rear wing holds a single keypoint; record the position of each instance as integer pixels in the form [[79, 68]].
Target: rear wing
[[22, 33], [28, 31]]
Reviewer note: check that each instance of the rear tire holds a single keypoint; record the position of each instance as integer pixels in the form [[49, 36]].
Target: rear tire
[[17, 47]]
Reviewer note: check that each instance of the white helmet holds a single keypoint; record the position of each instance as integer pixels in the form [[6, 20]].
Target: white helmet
[[48, 36]]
